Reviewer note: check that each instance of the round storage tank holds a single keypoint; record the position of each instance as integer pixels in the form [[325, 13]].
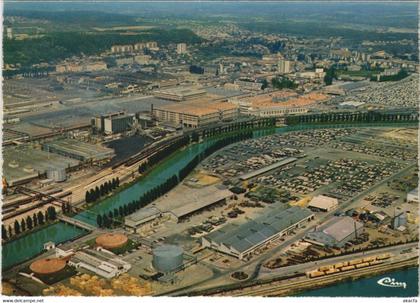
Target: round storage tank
[[56, 174], [167, 258]]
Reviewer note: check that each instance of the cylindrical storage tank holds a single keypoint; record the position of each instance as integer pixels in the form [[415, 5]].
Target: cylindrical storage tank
[[57, 174], [167, 258]]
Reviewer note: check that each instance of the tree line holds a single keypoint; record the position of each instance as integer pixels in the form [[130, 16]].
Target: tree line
[[282, 83], [94, 194], [237, 126], [37, 219], [163, 153], [115, 217]]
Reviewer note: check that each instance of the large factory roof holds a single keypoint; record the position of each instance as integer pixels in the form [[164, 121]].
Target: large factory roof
[[198, 108], [286, 99], [79, 149], [184, 200], [200, 199], [21, 164], [245, 236], [340, 228]]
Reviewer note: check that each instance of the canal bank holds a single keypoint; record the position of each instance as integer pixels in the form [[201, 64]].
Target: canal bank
[[32, 244]]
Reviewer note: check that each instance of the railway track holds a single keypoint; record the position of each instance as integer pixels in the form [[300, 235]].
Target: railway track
[[279, 288]]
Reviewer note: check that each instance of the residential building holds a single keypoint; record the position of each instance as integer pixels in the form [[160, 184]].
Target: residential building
[[181, 48], [284, 66]]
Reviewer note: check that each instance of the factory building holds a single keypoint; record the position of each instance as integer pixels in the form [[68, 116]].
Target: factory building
[[113, 123], [79, 150], [118, 124], [242, 240], [323, 203], [76, 67], [142, 216], [336, 232], [399, 221], [278, 103], [100, 262], [196, 114], [248, 85], [180, 93], [413, 196]]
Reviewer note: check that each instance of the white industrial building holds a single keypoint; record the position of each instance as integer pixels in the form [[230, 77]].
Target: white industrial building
[[336, 232], [100, 262], [413, 196], [142, 216], [323, 203]]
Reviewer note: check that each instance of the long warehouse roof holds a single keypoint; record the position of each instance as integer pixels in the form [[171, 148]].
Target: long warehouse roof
[[245, 236]]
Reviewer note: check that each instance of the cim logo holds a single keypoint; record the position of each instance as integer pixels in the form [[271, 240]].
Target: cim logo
[[390, 282]]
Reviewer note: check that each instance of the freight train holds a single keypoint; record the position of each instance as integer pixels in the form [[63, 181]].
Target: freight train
[[347, 265]]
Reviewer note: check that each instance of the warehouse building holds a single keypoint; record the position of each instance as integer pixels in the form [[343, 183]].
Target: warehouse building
[[278, 103], [102, 263], [241, 240], [336, 232], [141, 217], [79, 150], [196, 114], [323, 203], [413, 196], [180, 93], [113, 123], [23, 164]]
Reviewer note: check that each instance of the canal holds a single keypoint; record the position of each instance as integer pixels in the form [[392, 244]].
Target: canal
[[28, 246]]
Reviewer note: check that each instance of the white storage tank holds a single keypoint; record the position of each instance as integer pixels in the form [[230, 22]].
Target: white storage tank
[[57, 174], [167, 258]]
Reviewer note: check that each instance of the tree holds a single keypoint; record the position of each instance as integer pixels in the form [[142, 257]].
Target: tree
[[67, 207], [99, 220], [87, 196], [17, 227], [117, 181], [10, 231], [40, 218], [102, 190], [52, 215], [264, 84], [97, 193], [29, 223], [116, 214], [4, 233], [35, 219], [23, 225], [47, 218]]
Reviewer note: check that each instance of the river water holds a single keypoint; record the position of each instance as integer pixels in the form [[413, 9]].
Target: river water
[[30, 245]]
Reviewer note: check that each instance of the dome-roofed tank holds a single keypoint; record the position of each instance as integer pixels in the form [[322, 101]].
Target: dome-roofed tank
[[167, 258]]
